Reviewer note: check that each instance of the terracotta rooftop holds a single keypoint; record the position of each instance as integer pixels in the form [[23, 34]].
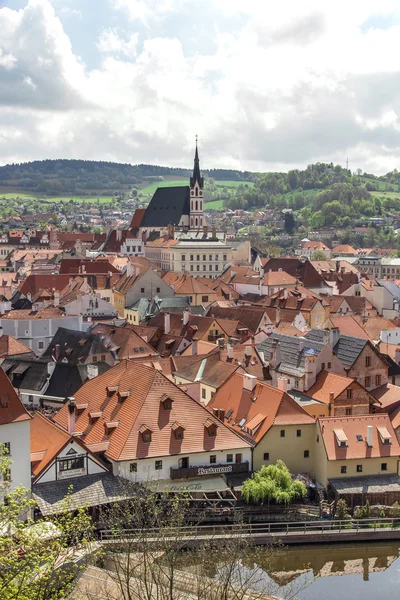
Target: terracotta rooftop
[[242, 406], [143, 407], [11, 346], [351, 428], [326, 383], [43, 313], [11, 408], [126, 342], [348, 325], [47, 439]]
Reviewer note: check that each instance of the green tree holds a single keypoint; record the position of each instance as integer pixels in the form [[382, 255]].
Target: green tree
[[37, 559], [318, 255], [289, 222], [275, 483]]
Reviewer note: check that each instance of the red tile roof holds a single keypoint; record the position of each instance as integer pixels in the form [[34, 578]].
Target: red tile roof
[[73, 266], [35, 283], [11, 346], [143, 407], [353, 427], [277, 406], [137, 218], [11, 408]]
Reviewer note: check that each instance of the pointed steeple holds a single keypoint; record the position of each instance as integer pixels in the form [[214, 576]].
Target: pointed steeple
[[196, 170]]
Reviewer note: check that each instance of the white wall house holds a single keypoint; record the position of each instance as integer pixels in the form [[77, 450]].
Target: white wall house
[[16, 436], [90, 305], [38, 333], [73, 460], [152, 469]]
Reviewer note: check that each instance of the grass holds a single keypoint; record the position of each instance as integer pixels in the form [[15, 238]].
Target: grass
[[216, 205], [232, 184], [384, 194], [48, 199], [151, 188]]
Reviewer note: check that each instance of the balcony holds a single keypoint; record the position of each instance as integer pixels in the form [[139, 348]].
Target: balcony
[[206, 470]]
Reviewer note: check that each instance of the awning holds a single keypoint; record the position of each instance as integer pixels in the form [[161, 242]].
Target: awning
[[202, 484]]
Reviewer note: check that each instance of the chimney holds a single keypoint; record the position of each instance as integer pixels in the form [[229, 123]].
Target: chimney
[[56, 298], [137, 271], [342, 270], [369, 435], [167, 323], [71, 415], [221, 414], [301, 346], [186, 315], [230, 351], [214, 233], [282, 384], [397, 355], [310, 368], [331, 405], [276, 355], [194, 347], [248, 351], [249, 382], [57, 352], [92, 371], [285, 294], [129, 269], [205, 230], [334, 336], [83, 269], [118, 235]]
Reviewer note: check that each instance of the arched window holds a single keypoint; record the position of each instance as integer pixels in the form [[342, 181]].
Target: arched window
[[196, 189], [196, 222], [201, 222], [197, 205], [201, 204], [192, 204]]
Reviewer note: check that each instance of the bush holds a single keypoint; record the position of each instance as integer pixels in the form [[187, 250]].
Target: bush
[[394, 511], [342, 511]]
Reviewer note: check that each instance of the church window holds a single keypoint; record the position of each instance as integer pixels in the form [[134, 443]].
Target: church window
[[197, 205], [201, 193], [201, 205], [192, 192], [196, 222]]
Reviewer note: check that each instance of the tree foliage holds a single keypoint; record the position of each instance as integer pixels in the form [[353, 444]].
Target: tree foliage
[[273, 483], [37, 559]]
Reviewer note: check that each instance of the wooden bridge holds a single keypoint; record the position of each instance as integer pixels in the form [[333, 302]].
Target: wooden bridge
[[263, 533]]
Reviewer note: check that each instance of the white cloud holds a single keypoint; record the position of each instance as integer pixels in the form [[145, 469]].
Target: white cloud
[[279, 85], [71, 12], [109, 42]]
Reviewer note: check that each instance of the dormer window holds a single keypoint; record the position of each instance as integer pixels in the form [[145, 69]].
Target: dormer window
[[341, 438], [178, 430], [111, 389], [145, 433], [110, 426], [123, 395], [385, 436], [166, 402], [211, 427]]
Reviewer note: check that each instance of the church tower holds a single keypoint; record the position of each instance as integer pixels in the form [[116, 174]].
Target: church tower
[[196, 195]]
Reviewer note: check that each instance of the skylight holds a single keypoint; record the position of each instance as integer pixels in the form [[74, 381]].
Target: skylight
[[242, 422], [360, 438]]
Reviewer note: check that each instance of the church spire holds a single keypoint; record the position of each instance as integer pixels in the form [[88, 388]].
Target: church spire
[[196, 170]]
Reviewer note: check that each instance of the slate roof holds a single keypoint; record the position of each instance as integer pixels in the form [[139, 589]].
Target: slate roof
[[167, 207], [292, 357], [67, 379], [348, 348], [91, 490], [75, 345], [366, 484], [33, 373]]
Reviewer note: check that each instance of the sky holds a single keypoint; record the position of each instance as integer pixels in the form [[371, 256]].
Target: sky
[[266, 85]]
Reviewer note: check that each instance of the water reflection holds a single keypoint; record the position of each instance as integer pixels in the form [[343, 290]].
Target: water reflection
[[341, 571]]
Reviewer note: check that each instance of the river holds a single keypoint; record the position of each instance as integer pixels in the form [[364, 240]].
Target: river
[[337, 572]]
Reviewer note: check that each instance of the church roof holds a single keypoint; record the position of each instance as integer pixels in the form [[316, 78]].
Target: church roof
[[167, 207]]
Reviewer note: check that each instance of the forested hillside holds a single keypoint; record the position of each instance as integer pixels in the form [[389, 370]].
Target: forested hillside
[[324, 194], [79, 176]]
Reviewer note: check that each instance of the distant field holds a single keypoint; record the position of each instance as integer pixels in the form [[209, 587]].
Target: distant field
[[151, 188], [216, 205], [223, 183], [385, 194], [15, 195]]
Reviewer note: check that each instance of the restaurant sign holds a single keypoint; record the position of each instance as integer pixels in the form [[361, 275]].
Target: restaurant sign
[[214, 470]]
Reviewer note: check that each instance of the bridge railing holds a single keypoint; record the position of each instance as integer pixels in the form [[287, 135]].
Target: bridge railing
[[252, 529]]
